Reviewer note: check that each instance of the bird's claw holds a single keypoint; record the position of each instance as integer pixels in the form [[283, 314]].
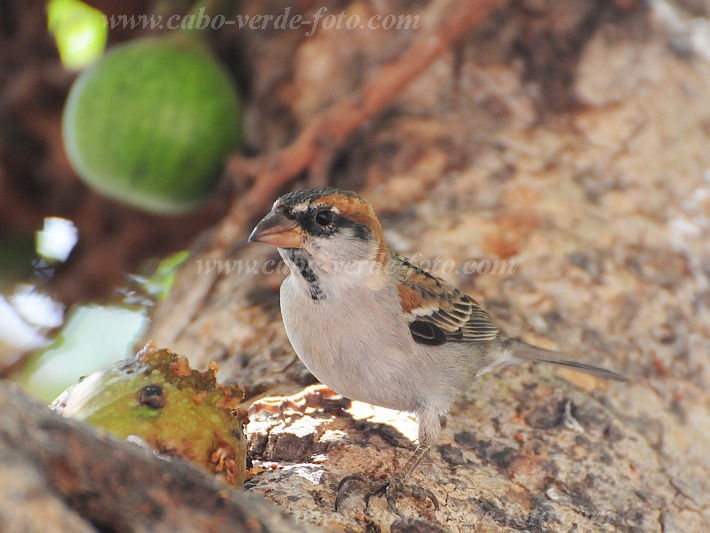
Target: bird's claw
[[396, 486], [342, 489], [391, 488]]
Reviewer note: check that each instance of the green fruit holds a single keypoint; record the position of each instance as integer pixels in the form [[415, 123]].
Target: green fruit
[[157, 397], [151, 123]]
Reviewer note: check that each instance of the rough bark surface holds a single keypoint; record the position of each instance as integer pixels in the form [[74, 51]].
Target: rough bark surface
[[567, 138]]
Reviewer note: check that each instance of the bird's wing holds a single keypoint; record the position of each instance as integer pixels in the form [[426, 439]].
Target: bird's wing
[[437, 311]]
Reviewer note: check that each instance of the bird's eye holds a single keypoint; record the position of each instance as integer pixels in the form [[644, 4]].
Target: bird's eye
[[323, 217]]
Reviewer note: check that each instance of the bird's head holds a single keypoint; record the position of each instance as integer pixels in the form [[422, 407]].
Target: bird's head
[[333, 226]]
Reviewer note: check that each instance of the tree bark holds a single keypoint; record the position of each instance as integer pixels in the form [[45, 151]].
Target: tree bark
[[566, 144]]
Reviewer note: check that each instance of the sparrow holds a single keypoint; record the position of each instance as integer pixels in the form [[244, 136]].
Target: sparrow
[[376, 327]]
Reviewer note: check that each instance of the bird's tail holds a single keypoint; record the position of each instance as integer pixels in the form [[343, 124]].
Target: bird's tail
[[522, 352]]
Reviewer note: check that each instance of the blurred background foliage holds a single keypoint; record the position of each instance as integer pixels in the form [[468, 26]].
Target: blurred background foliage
[[79, 271]]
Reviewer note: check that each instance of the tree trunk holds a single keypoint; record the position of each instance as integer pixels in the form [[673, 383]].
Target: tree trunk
[[555, 161]]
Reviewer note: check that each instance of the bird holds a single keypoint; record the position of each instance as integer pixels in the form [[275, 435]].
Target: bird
[[376, 327]]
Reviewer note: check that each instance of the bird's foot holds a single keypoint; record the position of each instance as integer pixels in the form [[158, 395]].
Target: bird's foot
[[391, 488]]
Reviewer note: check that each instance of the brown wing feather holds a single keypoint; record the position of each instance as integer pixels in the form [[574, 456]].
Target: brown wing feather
[[429, 300]]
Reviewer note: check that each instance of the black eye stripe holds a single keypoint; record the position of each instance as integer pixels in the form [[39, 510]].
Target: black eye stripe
[[319, 221], [338, 223]]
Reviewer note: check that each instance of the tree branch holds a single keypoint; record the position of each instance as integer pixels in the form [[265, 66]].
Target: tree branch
[[334, 126]]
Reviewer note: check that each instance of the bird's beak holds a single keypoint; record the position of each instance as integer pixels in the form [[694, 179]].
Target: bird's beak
[[277, 230]]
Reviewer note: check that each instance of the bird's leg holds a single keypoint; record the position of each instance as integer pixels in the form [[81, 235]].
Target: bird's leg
[[430, 422], [396, 482], [392, 486]]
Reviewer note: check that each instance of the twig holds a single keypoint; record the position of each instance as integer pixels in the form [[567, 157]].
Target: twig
[[339, 121]]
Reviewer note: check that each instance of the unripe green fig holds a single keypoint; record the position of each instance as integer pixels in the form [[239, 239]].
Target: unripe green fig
[[150, 123]]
